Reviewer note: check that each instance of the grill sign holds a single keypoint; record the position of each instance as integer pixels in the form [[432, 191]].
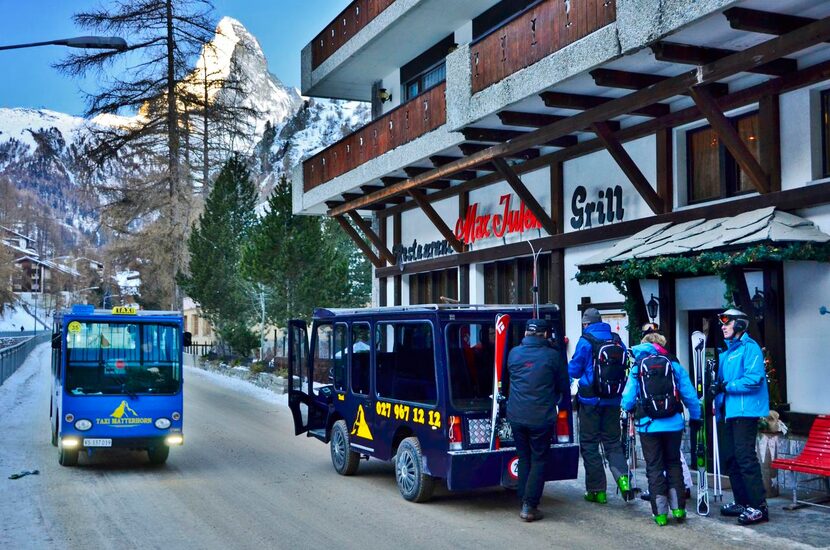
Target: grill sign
[[473, 226], [608, 207]]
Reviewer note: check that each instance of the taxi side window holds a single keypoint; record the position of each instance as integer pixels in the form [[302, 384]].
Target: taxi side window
[[361, 347], [341, 356], [405, 362]]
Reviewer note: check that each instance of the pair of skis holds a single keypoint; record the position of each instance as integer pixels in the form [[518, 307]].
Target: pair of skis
[[502, 332], [630, 447], [704, 374]]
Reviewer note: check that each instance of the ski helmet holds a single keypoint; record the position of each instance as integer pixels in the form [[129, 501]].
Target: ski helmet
[[741, 319]]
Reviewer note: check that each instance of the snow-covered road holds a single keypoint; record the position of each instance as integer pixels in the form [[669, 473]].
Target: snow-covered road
[[242, 480]]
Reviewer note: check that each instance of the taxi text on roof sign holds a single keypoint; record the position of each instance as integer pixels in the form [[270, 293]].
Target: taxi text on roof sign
[[124, 310]]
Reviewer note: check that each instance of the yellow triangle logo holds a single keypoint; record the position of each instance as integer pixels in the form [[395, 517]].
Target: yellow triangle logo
[[360, 428]]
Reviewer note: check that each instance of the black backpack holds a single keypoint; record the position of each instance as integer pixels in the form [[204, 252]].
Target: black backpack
[[659, 397], [610, 365]]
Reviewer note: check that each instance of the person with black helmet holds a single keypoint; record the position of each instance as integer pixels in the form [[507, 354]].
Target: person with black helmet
[[741, 397], [538, 380]]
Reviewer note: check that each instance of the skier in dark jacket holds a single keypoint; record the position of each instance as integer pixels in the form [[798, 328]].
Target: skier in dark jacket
[[599, 418], [538, 380], [741, 398]]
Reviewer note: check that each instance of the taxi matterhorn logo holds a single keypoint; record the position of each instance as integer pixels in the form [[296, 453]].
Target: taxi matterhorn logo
[[123, 416], [123, 410]]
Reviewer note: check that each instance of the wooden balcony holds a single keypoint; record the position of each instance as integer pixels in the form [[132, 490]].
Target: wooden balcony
[[403, 124], [546, 28], [351, 20]]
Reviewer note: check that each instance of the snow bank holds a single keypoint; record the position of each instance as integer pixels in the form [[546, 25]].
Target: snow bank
[[239, 386]]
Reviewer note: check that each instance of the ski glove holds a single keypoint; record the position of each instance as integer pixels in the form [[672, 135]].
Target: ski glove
[[718, 387]]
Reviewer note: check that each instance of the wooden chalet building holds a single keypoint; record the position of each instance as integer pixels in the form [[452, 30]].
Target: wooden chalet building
[[668, 158]]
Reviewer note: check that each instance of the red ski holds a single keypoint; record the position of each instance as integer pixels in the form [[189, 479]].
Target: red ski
[[502, 326]]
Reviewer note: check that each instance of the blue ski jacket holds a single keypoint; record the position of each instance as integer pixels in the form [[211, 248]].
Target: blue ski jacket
[[741, 367], [537, 382], [687, 392], [581, 365]]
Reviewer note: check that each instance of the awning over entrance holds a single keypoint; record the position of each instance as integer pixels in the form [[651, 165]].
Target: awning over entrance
[[765, 225]]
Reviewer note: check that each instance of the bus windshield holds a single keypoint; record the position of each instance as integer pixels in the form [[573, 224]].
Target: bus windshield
[[122, 358]]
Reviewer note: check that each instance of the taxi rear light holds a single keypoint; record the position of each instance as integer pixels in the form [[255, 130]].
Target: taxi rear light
[[563, 427], [454, 433]]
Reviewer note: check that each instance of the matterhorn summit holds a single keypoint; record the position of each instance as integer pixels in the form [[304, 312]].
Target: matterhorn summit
[[232, 69]]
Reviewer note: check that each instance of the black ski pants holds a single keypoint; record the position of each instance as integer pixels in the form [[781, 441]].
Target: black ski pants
[[533, 448], [600, 425], [736, 439], [661, 451]]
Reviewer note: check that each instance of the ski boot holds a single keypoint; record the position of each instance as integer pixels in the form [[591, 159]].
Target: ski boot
[[751, 516], [661, 519], [679, 515], [625, 488], [596, 496]]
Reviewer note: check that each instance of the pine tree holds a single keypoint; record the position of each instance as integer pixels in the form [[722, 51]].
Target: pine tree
[[215, 245], [304, 261]]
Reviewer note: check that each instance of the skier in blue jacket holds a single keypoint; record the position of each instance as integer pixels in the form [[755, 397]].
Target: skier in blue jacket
[[599, 418], [660, 437], [741, 398]]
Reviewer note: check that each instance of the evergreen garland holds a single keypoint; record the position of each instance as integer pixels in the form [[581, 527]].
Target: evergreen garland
[[625, 275]]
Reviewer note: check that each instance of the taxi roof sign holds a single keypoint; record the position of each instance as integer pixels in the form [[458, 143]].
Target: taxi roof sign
[[124, 310]]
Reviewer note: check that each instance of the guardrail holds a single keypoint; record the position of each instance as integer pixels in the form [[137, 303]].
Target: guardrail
[[12, 357]]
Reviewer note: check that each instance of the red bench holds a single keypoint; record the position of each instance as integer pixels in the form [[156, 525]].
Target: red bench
[[814, 459]]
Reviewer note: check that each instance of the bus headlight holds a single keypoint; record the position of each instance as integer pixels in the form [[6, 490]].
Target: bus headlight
[[83, 425], [175, 439], [162, 423], [69, 443]]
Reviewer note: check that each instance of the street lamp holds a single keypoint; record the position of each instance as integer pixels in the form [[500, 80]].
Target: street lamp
[[88, 42], [652, 307]]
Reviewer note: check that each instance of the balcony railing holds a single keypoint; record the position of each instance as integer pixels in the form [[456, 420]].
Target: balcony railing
[[535, 34], [403, 124], [357, 15]]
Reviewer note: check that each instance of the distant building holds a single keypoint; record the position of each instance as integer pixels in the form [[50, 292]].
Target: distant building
[[198, 326]]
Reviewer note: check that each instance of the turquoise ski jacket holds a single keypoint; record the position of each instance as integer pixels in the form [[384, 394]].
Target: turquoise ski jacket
[[684, 386], [741, 367]]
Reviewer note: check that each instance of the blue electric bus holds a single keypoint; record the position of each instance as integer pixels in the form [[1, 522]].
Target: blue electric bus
[[413, 385], [116, 381]]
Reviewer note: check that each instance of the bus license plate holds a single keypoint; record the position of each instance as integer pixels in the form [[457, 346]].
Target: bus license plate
[[97, 442]]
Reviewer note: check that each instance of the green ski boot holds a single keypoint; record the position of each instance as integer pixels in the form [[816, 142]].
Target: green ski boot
[[661, 519], [596, 496], [679, 515], [625, 488]]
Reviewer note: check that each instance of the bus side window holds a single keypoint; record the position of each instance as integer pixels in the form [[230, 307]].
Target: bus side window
[[361, 349], [340, 357]]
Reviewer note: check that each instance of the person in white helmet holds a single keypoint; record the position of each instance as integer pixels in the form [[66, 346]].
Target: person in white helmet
[[741, 397]]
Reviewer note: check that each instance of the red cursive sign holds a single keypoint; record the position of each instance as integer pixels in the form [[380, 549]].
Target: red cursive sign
[[472, 227]]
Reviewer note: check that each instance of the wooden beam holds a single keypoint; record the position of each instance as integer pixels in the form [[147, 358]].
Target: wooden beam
[[420, 198], [370, 188], [765, 22], [334, 204], [560, 100], [629, 167], [665, 168], [706, 74], [389, 181], [473, 148], [524, 195], [499, 136], [413, 171], [373, 237], [361, 244], [730, 137], [441, 160], [527, 120], [557, 197], [612, 78], [699, 55], [769, 141]]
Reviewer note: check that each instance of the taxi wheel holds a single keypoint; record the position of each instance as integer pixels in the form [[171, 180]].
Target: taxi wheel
[[68, 457], [414, 484], [158, 455], [344, 459]]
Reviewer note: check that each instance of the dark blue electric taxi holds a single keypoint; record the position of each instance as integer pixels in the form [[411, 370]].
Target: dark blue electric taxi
[[414, 384]]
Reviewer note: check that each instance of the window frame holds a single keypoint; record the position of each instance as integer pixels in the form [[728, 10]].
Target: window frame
[[419, 80], [729, 172], [376, 342], [824, 121]]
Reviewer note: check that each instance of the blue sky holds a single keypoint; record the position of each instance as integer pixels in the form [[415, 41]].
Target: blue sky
[[27, 78]]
